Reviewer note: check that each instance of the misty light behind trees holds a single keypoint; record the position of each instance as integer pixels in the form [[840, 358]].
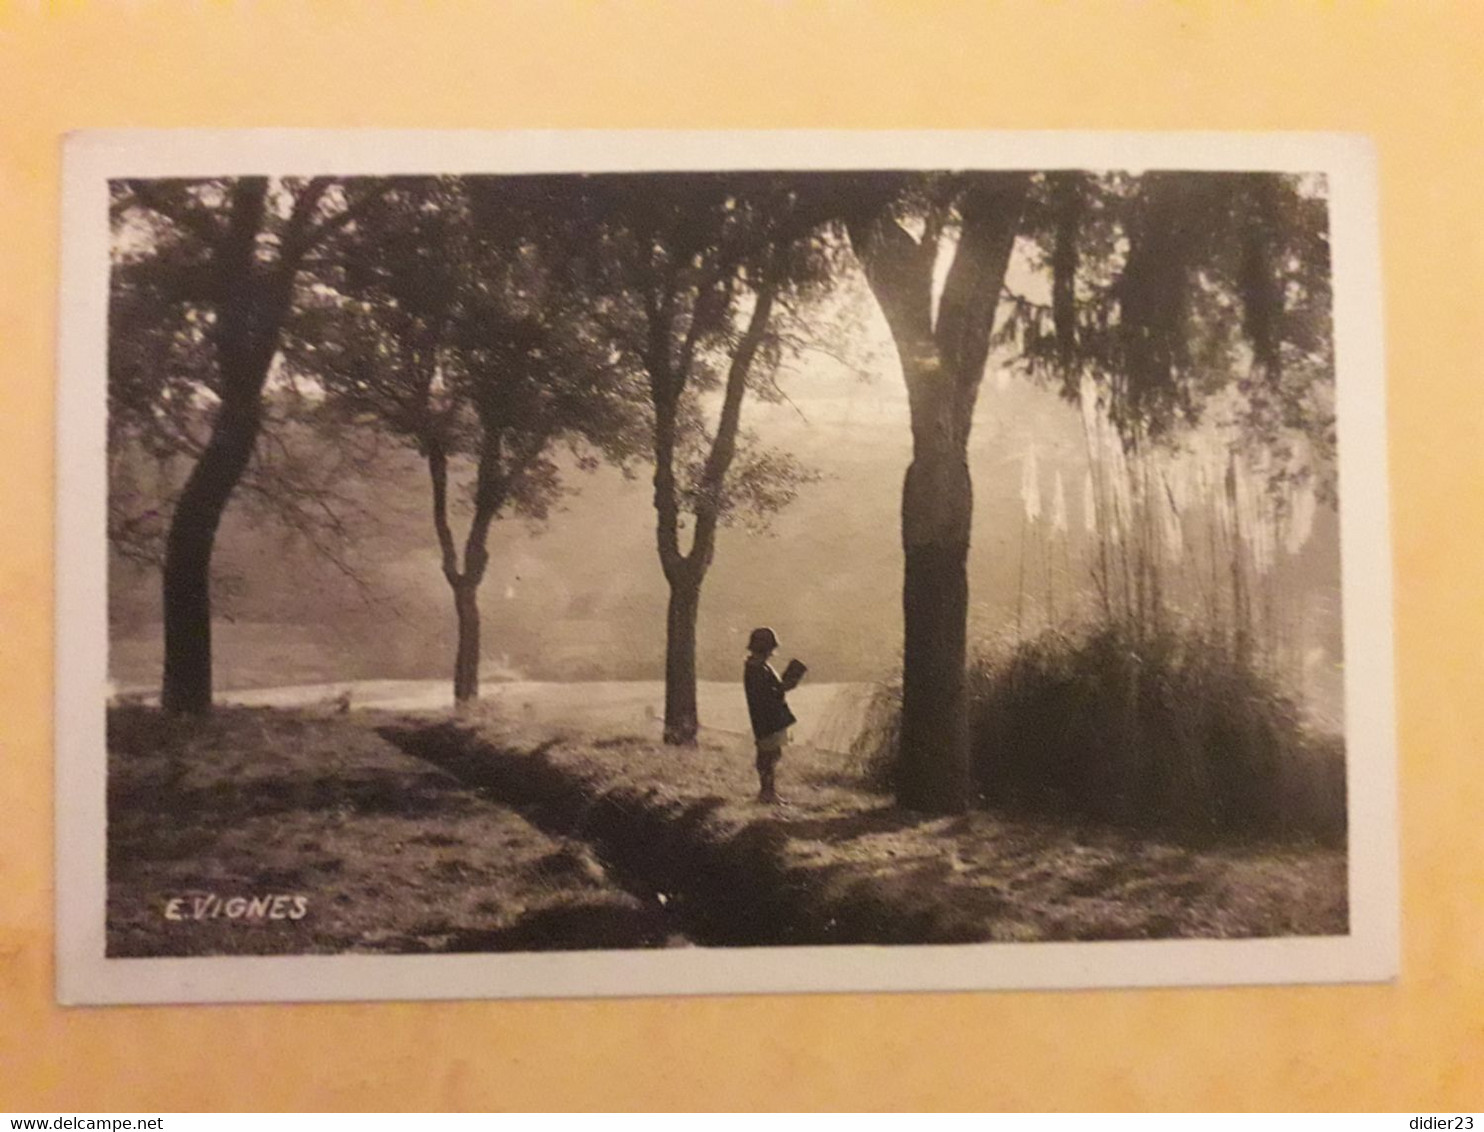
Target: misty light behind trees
[[1152, 444]]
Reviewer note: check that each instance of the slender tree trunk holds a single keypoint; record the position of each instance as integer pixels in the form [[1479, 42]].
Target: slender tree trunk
[[682, 719], [681, 714], [465, 583], [187, 684], [466, 660], [686, 572]]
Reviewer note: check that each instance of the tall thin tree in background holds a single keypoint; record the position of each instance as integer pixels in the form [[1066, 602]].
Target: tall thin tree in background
[[693, 275], [452, 325]]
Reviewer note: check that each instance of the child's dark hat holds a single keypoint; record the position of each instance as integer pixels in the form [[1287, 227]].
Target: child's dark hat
[[762, 640]]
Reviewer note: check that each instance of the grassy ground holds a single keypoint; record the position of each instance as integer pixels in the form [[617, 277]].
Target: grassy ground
[[980, 875], [397, 853], [389, 853]]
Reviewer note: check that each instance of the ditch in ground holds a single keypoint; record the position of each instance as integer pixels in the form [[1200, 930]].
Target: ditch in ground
[[425, 834]]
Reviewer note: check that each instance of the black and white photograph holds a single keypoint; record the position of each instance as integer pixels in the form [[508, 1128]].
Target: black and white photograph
[[501, 565]]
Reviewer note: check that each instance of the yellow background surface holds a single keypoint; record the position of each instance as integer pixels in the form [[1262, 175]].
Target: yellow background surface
[[1409, 74]]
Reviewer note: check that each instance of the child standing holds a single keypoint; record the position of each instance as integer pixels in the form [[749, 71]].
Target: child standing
[[767, 706]]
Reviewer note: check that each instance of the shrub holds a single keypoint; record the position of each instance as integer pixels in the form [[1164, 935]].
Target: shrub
[[874, 749], [1158, 729]]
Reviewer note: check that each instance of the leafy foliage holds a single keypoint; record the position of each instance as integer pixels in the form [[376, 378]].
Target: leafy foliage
[[468, 340], [700, 281], [1169, 288], [167, 287]]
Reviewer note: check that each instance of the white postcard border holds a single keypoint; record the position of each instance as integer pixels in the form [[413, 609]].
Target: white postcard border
[[1370, 952]]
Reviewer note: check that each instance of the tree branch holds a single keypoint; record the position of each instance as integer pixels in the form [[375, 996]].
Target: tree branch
[[438, 469], [296, 239], [724, 446], [666, 494], [901, 277], [710, 303], [991, 209], [490, 492]]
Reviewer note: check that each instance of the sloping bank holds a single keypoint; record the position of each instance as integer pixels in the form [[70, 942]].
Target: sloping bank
[[676, 827]]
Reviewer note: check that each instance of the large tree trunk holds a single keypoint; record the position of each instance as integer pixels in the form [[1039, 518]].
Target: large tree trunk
[[466, 659], [682, 719], [187, 685], [943, 360], [249, 314], [933, 764]]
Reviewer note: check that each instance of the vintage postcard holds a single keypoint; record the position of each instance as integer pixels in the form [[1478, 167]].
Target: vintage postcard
[[594, 563]]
